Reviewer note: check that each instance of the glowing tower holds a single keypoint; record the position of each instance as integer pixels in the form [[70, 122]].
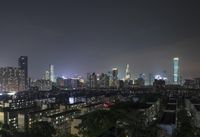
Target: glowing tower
[[176, 71], [128, 74], [51, 73]]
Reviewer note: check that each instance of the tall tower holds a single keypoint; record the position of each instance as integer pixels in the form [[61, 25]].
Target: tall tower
[[47, 75], [23, 65], [176, 71], [51, 73], [128, 74], [150, 78], [114, 77], [115, 73], [93, 80]]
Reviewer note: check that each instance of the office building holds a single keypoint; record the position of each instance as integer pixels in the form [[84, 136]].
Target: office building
[[127, 79], [47, 75], [93, 80], [23, 65], [72, 83], [88, 81], [42, 85], [176, 74], [150, 79], [12, 79], [60, 82], [103, 81], [128, 74], [51, 73], [114, 77], [139, 82]]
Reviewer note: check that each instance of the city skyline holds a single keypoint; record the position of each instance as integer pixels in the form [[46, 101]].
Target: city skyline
[[124, 75], [96, 36]]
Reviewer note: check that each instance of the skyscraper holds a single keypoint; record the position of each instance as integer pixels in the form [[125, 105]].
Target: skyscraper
[[47, 75], [176, 74], [88, 83], [93, 80], [51, 73], [128, 74], [115, 77], [127, 79], [23, 65], [150, 79], [104, 81]]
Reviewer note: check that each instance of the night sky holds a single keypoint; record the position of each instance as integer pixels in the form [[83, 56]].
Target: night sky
[[94, 36]]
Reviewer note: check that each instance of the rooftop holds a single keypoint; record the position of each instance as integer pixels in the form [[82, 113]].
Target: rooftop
[[64, 113], [40, 111], [95, 104]]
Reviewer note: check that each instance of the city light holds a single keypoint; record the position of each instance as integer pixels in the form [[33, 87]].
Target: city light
[[99, 68]]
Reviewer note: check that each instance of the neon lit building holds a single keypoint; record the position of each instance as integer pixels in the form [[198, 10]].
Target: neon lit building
[[176, 71]]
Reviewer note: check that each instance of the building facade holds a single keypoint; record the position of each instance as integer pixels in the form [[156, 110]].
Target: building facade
[[103, 81], [115, 77], [176, 74], [51, 73], [23, 65], [12, 79]]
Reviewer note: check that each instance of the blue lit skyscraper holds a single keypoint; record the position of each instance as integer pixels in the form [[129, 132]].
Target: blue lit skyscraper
[[176, 71]]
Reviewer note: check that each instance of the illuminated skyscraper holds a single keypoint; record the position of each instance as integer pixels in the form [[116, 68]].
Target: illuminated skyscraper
[[51, 73], [176, 71], [128, 74]]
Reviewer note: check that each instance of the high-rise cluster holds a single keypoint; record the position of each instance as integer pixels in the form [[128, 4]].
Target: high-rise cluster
[[109, 80]]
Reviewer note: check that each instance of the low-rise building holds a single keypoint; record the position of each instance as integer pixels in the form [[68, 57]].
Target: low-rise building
[[27, 118], [193, 106]]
